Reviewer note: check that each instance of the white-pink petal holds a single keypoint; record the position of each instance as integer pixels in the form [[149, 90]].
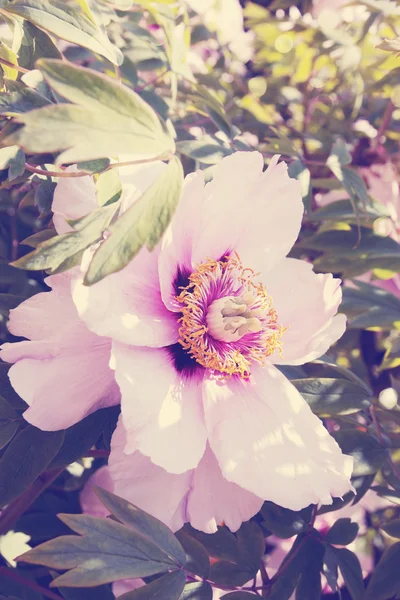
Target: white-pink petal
[[200, 496], [306, 304], [127, 305], [63, 374], [74, 197], [267, 440], [161, 410]]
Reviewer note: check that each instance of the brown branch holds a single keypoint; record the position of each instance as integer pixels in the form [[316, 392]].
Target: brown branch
[[6, 63]]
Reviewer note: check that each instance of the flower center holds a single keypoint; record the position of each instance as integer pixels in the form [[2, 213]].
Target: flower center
[[228, 319]]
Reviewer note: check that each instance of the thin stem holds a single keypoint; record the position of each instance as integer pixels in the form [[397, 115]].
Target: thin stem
[[385, 122], [97, 454], [160, 76], [11, 574], [17, 507], [7, 63], [39, 171]]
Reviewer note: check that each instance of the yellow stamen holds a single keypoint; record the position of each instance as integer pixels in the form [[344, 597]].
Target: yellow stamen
[[194, 335]]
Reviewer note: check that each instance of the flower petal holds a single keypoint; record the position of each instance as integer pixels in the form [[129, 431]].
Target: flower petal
[[254, 213], [146, 485], [200, 496], [65, 377], [213, 500], [267, 440], [306, 303], [74, 197], [39, 317], [89, 500], [127, 305], [161, 409], [176, 255]]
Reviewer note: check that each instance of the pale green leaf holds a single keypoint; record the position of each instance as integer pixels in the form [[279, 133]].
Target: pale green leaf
[[143, 223], [68, 21]]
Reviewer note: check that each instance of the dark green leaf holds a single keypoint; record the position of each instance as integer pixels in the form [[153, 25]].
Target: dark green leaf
[[143, 223], [342, 532], [106, 551], [292, 567], [229, 574], [368, 452], [8, 391], [239, 596], [392, 528], [330, 568], [252, 545], [342, 210], [283, 522], [207, 150], [26, 457], [80, 438], [309, 585], [350, 567], [144, 524], [69, 22], [368, 306], [299, 171], [9, 422], [385, 581], [19, 99], [94, 166], [328, 396], [197, 560], [222, 544], [13, 159], [197, 591], [44, 196], [168, 586], [97, 593]]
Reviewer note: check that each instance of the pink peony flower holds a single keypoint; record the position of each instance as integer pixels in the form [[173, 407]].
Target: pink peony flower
[[197, 327], [197, 313], [62, 372]]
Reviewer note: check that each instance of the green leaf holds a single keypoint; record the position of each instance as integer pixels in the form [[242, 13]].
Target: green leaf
[[168, 586], [9, 422], [350, 567], [108, 187], [104, 551], [392, 528], [25, 458], [197, 560], [368, 306], [97, 593], [283, 522], [299, 171], [207, 150], [309, 586], [252, 544], [329, 397], [230, 574], [369, 454], [222, 544], [106, 119], [197, 591], [94, 166], [13, 159], [44, 194], [385, 580], [52, 253], [9, 55], [143, 223], [292, 567], [19, 99], [342, 210], [344, 253], [342, 532], [239, 596], [68, 21], [339, 154], [80, 438], [144, 524]]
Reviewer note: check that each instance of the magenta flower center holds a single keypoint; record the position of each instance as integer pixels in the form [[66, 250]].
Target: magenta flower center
[[228, 319]]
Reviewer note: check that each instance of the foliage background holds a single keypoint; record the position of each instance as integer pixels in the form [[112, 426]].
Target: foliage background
[[324, 92]]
